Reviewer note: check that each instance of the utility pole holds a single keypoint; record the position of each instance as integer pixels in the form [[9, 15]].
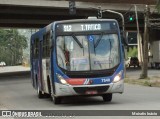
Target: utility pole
[[138, 37], [144, 73]]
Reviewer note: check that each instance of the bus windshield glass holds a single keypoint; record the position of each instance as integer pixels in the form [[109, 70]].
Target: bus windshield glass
[[88, 52]]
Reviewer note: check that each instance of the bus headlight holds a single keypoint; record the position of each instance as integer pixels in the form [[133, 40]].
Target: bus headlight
[[61, 79], [118, 77]]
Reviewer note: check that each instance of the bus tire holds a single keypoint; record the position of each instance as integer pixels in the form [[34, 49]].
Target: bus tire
[[51, 91], [49, 88], [40, 95], [39, 92], [107, 97], [56, 100]]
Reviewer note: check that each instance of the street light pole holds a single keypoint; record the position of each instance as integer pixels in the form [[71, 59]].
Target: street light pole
[[120, 14]]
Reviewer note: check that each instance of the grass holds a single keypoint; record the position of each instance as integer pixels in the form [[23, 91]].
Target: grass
[[151, 82]]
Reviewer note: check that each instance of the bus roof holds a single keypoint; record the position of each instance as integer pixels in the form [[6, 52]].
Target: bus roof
[[47, 28], [84, 20]]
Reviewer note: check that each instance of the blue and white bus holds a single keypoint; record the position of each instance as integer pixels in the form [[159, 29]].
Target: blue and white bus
[[83, 57]]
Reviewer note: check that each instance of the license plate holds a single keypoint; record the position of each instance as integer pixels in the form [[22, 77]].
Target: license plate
[[91, 92]]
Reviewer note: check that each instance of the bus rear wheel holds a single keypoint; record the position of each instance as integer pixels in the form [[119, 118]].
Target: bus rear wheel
[[107, 97], [40, 95]]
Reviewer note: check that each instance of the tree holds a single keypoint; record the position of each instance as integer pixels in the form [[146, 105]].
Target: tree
[[133, 52], [11, 46]]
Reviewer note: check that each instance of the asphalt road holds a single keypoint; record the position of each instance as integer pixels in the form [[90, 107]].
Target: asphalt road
[[18, 94]]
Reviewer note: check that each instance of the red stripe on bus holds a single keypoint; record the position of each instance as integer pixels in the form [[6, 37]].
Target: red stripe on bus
[[76, 81]]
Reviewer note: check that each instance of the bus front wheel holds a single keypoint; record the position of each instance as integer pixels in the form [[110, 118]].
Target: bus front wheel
[[107, 97], [56, 100]]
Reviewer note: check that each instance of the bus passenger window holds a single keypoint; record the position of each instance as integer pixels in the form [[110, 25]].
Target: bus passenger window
[[36, 47], [46, 44], [48, 39], [60, 52]]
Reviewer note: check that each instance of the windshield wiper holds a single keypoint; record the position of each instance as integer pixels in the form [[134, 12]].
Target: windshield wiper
[[98, 40], [75, 38]]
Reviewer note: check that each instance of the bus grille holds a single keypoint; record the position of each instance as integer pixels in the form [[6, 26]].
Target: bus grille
[[99, 89], [88, 75]]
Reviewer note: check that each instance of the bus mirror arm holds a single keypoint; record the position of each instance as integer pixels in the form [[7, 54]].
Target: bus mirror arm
[[125, 41], [124, 38]]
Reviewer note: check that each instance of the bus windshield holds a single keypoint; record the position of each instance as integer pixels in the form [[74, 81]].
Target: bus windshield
[[88, 52]]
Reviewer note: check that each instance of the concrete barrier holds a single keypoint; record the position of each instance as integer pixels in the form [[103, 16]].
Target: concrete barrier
[[18, 74]]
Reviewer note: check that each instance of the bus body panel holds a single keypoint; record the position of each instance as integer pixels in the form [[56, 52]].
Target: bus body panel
[[68, 90], [39, 66]]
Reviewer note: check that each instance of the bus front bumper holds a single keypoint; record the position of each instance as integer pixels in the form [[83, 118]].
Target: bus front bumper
[[100, 89]]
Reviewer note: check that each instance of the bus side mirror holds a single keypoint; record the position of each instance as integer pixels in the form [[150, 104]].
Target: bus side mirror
[[124, 38], [50, 44]]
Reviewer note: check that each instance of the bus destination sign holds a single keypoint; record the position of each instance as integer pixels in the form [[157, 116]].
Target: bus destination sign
[[82, 27]]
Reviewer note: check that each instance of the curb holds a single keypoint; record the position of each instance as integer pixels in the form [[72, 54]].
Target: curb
[[15, 74]]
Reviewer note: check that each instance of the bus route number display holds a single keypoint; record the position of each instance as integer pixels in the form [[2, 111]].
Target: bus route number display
[[82, 27]]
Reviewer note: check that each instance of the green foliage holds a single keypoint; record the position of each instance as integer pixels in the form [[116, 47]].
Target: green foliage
[[133, 52], [151, 82], [11, 46], [158, 6]]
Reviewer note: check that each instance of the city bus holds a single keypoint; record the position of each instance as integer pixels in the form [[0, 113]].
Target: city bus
[[83, 57]]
